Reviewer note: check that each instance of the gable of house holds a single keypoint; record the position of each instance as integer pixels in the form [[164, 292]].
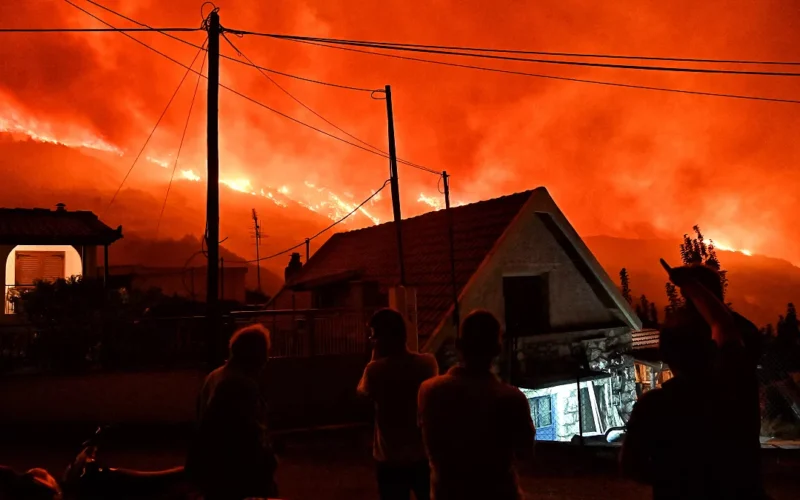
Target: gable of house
[[540, 242], [371, 254], [490, 237]]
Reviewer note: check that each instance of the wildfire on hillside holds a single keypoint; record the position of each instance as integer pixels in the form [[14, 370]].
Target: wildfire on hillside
[[618, 160]]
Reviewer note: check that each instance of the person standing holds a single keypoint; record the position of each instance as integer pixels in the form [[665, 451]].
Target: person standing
[[713, 401], [392, 380], [231, 456], [474, 426]]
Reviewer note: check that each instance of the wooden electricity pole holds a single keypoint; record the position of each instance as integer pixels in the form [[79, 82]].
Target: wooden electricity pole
[[395, 185], [257, 228], [456, 312], [212, 195]]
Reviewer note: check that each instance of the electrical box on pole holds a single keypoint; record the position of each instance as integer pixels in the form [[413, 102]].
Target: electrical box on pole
[[212, 195], [395, 185]]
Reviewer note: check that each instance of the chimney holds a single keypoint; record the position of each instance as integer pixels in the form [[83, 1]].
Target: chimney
[[60, 207], [293, 268]]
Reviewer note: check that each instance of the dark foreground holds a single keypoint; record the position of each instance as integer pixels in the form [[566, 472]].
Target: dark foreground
[[336, 465]]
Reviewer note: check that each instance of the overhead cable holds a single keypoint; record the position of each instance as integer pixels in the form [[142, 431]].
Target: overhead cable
[[180, 145], [562, 54], [90, 30], [406, 48], [554, 77], [250, 63], [339, 221], [152, 132], [268, 70], [244, 96]]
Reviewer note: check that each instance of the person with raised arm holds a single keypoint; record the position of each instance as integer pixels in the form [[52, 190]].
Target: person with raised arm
[[697, 436]]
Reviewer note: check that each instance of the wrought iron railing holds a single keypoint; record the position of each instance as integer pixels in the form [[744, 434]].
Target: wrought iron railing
[[11, 291]]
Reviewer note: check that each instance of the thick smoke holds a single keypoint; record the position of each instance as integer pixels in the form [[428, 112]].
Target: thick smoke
[[624, 162]]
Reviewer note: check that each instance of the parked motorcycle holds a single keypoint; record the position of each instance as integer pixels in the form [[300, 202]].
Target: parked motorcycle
[[86, 478]]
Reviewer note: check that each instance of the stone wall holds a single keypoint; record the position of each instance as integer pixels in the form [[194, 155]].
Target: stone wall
[[602, 350]]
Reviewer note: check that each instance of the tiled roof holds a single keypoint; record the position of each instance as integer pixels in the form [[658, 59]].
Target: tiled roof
[[40, 226], [373, 252]]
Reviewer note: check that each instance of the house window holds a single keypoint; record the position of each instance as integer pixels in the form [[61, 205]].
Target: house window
[[527, 305], [31, 266], [541, 411], [331, 296]]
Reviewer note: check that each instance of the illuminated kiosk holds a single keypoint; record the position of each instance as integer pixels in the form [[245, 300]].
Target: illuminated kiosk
[[43, 244]]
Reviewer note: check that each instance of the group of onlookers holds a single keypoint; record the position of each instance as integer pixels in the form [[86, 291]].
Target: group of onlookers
[[457, 436]]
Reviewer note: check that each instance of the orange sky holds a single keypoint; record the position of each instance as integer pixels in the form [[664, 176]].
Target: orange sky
[[618, 161]]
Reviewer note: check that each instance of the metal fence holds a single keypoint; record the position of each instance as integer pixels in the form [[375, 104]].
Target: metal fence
[[167, 342], [312, 332]]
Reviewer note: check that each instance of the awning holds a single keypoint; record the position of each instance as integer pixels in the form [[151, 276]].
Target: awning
[[566, 377]]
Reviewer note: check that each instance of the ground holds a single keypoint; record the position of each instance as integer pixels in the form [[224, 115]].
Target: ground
[[338, 467]]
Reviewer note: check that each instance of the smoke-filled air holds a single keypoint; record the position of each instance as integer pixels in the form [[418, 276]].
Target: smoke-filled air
[[621, 162]]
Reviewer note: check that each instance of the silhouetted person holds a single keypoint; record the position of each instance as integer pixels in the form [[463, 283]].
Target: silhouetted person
[[710, 450], [474, 425], [735, 365], [392, 380], [668, 443], [232, 457]]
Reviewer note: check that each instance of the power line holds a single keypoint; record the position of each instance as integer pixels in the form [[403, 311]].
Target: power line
[[298, 101], [301, 103], [89, 30], [288, 75], [151, 132], [559, 54], [320, 232], [254, 101], [678, 69], [250, 63], [563, 78], [379, 150], [180, 146]]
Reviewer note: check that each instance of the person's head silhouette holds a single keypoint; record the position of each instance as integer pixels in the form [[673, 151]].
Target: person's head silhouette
[[249, 348], [480, 340], [388, 332]]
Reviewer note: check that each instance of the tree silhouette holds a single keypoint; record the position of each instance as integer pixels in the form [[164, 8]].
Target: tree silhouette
[[625, 285], [676, 302], [647, 312], [653, 314], [695, 250], [788, 326]]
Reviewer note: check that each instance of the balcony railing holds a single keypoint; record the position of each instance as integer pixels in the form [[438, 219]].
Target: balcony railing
[[10, 291]]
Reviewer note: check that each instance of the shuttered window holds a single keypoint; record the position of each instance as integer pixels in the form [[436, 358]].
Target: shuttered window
[[34, 266]]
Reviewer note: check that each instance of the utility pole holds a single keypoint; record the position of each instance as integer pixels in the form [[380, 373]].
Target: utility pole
[[395, 184], [212, 196], [456, 312], [258, 243], [308, 249]]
